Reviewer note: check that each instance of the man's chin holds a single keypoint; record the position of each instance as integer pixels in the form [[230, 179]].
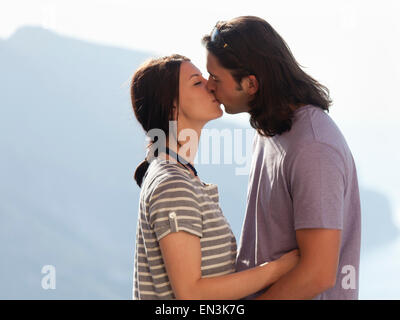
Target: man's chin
[[228, 109], [231, 110]]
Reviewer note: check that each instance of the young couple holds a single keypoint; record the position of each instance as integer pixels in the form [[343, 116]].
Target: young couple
[[301, 233]]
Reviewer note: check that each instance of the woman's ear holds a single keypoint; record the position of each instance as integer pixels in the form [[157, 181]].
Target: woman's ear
[[252, 85]]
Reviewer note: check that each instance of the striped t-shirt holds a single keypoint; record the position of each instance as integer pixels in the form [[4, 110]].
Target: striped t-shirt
[[173, 200]]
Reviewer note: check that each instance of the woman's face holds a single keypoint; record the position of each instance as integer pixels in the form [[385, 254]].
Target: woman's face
[[196, 103]]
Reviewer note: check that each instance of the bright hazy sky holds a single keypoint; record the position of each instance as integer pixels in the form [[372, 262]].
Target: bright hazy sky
[[351, 46], [326, 36]]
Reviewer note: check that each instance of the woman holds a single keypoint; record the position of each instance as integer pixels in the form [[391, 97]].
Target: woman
[[185, 248]]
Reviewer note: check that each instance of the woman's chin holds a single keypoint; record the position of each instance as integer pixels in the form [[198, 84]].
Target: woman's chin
[[215, 115], [219, 113]]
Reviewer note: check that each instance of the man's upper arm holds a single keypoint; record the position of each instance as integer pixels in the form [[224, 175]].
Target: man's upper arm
[[319, 253], [317, 180], [318, 183]]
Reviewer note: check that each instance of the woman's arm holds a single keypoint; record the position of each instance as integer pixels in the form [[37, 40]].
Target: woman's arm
[[181, 252]]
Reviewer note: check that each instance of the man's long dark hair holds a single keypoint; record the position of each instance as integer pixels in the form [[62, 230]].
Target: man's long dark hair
[[250, 46]]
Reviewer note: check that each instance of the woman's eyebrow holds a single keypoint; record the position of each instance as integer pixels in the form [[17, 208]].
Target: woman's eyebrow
[[194, 75]]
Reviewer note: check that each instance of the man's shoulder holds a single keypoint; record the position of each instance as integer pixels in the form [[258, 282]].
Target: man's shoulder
[[313, 131], [312, 126]]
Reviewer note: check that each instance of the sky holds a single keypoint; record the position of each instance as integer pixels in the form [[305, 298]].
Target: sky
[[314, 30], [351, 46]]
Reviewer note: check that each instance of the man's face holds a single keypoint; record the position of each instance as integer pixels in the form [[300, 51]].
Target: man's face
[[225, 88]]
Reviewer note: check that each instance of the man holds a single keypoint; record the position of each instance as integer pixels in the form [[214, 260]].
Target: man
[[303, 189]]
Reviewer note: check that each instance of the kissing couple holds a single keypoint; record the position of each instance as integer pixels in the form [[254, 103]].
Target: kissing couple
[[302, 228]]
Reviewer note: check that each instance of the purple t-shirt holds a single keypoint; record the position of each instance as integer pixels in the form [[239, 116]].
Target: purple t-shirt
[[303, 178]]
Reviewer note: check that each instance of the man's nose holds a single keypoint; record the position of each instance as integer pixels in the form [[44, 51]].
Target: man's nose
[[210, 85]]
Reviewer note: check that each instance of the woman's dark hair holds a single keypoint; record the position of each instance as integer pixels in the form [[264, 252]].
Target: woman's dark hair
[[154, 90], [250, 46]]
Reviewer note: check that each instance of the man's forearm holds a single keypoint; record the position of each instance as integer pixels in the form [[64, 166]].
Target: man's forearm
[[297, 284]]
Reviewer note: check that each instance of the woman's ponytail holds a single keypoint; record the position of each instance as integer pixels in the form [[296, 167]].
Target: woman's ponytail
[[141, 171]]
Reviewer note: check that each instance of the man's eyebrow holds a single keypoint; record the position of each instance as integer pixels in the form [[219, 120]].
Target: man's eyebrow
[[212, 75]]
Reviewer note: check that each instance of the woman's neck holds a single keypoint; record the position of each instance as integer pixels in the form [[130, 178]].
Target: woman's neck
[[186, 149]]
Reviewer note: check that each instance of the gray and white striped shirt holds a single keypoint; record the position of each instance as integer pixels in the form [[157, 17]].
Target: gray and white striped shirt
[[172, 200]]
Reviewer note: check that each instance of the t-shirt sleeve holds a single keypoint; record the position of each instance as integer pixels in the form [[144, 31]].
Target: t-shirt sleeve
[[174, 207], [317, 186]]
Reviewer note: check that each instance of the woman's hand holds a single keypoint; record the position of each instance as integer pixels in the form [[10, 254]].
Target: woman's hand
[[284, 264]]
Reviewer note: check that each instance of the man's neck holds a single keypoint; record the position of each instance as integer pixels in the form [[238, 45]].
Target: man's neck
[[294, 107]]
